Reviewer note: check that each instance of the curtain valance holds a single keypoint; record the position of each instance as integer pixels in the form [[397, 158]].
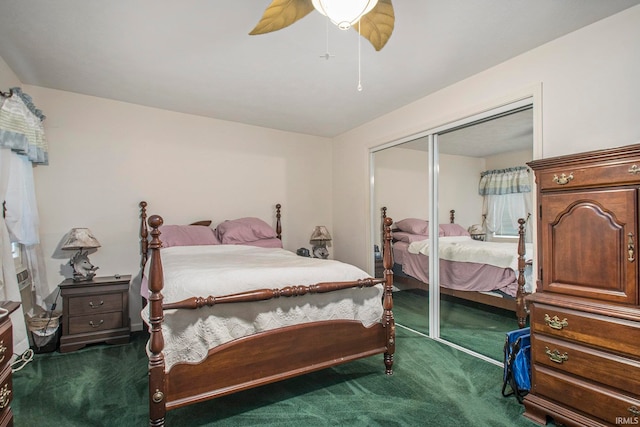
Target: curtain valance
[[21, 128], [504, 181]]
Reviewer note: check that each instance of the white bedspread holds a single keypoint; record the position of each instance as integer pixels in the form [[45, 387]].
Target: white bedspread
[[227, 269], [465, 249]]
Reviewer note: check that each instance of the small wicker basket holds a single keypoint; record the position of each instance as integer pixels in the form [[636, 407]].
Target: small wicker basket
[[42, 321]]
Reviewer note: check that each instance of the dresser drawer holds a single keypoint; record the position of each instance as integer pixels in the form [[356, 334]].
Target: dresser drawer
[[627, 172], [606, 332], [99, 303], [598, 366], [589, 398], [95, 322], [6, 390], [6, 344]]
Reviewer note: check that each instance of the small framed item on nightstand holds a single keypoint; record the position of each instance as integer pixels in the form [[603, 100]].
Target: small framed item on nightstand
[[95, 311]]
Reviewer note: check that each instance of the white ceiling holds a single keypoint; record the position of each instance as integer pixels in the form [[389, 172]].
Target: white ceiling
[[196, 57], [499, 134]]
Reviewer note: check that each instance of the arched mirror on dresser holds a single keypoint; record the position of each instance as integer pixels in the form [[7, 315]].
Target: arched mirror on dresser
[[456, 193]]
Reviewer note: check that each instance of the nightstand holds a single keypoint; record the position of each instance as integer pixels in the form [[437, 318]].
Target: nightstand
[[95, 311]]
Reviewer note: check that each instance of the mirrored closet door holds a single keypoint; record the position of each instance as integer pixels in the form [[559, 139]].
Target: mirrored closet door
[[430, 186]]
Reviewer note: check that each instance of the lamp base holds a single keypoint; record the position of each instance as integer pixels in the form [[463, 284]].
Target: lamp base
[[320, 251], [77, 277], [83, 270]]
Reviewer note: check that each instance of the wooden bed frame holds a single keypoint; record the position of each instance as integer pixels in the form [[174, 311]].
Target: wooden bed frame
[[517, 304], [264, 357]]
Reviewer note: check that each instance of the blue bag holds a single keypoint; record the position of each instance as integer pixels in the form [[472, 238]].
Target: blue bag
[[517, 363]]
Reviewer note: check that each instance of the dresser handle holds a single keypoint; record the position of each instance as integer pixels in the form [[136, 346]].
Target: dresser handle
[[93, 325], [634, 410], [634, 170], [555, 355], [555, 322], [95, 306], [4, 396], [563, 179], [3, 350], [631, 249]]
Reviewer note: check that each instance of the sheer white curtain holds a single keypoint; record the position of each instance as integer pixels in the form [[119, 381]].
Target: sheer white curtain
[[507, 198], [10, 290], [22, 144]]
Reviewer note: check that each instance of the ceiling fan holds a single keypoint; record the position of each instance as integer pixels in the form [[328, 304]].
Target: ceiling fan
[[373, 19]]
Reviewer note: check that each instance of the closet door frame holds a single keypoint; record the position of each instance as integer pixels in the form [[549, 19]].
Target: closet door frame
[[531, 98]]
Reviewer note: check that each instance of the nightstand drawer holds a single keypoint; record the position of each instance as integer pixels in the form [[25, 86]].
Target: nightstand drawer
[[598, 366], [595, 400], [95, 322], [99, 303], [6, 344], [599, 331]]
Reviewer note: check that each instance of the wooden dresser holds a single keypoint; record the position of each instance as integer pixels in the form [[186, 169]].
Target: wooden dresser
[[585, 315], [6, 354], [95, 311]]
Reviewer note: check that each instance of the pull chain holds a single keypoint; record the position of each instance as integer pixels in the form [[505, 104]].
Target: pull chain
[[327, 55]]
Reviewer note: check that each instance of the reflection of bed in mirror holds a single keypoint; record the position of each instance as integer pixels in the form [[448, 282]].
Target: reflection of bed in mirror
[[490, 273]]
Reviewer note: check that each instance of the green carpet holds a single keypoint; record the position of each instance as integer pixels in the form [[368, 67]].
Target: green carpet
[[471, 325], [433, 385]]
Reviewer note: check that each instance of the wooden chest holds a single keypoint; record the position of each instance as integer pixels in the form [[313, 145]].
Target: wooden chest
[[585, 317]]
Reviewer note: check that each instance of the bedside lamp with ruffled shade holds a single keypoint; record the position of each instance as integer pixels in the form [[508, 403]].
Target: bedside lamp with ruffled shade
[[80, 239]]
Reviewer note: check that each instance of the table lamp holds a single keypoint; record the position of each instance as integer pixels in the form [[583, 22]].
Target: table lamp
[[80, 239], [319, 239]]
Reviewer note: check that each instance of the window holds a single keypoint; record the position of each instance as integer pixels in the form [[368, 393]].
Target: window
[[16, 252], [507, 198], [507, 209]]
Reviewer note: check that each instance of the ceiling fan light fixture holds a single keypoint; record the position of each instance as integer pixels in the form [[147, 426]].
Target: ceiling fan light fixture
[[344, 13]]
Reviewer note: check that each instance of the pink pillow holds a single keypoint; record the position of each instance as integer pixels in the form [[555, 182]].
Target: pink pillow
[[266, 243], [187, 235], [453, 230], [244, 230], [408, 237], [414, 226]]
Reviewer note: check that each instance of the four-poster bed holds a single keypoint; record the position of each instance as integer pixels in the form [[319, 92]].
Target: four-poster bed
[[480, 280], [264, 356]]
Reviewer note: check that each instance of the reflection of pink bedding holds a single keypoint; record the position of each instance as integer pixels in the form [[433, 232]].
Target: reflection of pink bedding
[[463, 276]]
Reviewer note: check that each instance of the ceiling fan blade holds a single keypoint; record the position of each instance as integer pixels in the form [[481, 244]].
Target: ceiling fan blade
[[281, 14], [377, 25]]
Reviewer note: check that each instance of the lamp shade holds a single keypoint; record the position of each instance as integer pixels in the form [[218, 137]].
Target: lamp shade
[[320, 234], [476, 229], [80, 238], [344, 13]]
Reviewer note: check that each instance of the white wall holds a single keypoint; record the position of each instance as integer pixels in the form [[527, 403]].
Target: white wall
[[107, 156], [590, 100], [458, 189], [402, 182], [509, 160]]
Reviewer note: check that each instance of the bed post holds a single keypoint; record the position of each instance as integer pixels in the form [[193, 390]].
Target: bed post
[[521, 308], [278, 223], [157, 392], [452, 216], [144, 234], [389, 322]]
